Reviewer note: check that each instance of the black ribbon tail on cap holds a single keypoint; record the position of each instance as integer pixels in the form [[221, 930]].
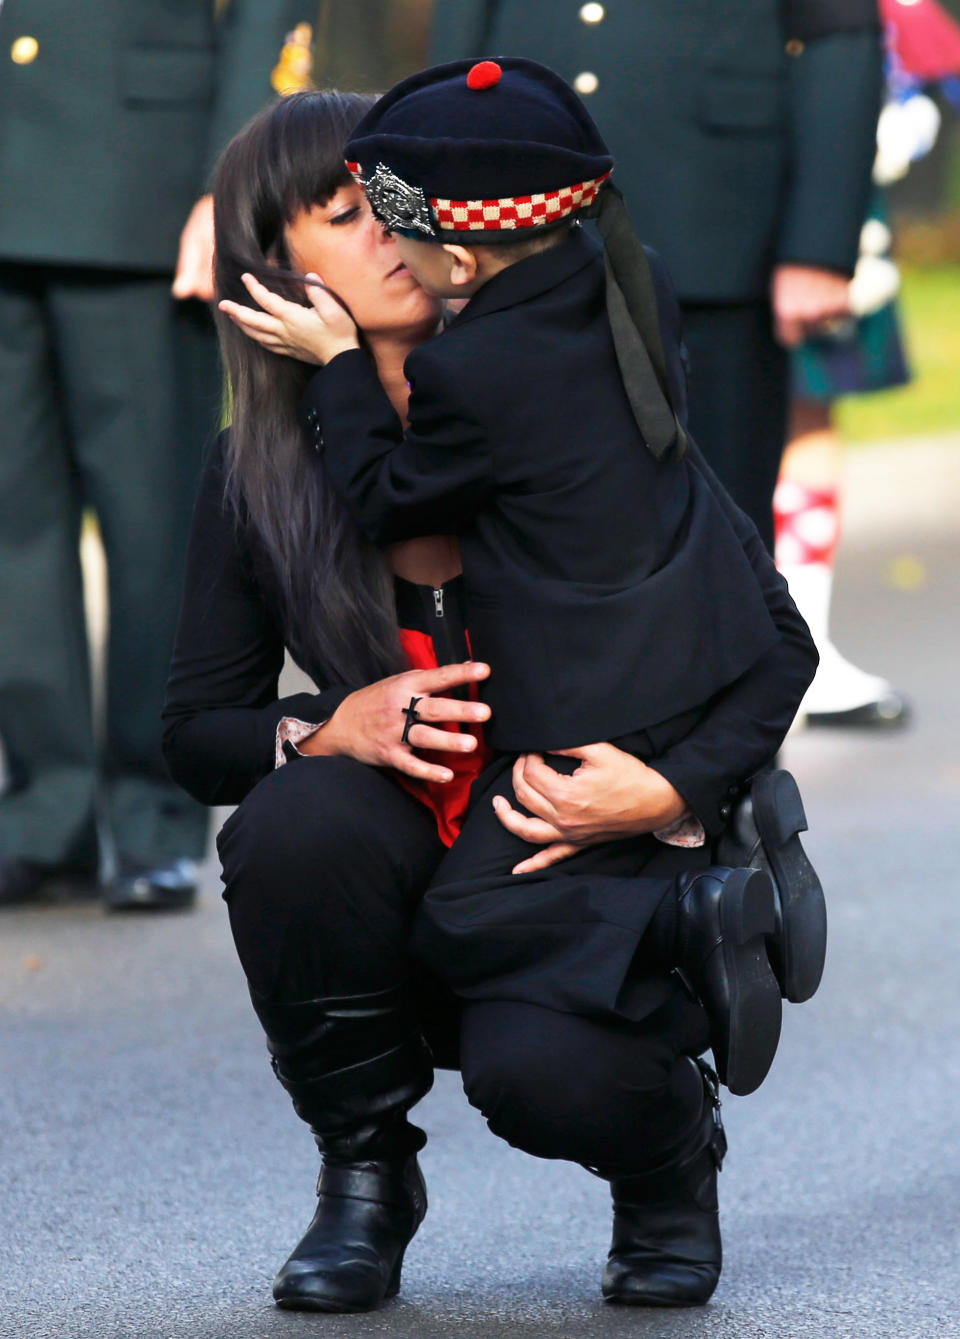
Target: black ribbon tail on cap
[[635, 323]]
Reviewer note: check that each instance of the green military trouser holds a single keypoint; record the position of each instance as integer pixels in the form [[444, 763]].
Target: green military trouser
[[108, 394]]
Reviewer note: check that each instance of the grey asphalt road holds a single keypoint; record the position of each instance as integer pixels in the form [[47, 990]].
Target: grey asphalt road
[[152, 1174]]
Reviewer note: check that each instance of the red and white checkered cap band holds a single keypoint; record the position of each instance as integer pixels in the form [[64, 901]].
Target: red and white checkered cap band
[[513, 211], [518, 211]]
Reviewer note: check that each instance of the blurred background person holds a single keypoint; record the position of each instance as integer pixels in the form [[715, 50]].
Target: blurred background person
[[111, 116], [368, 45], [863, 355], [744, 140]]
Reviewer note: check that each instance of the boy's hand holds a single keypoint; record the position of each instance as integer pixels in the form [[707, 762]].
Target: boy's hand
[[314, 334]]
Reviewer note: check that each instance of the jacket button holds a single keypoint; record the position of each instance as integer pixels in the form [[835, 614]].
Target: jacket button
[[586, 83], [724, 812], [795, 47], [24, 50], [593, 14]]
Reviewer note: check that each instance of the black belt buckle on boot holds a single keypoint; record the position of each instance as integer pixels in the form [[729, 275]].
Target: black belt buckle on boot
[[718, 1140]]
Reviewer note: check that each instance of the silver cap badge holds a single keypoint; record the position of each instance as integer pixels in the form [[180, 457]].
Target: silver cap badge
[[398, 205]]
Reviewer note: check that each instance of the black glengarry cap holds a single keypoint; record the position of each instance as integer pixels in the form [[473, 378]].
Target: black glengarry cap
[[479, 151]]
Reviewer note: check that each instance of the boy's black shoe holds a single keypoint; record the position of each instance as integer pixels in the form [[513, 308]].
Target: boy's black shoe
[[763, 833], [724, 917]]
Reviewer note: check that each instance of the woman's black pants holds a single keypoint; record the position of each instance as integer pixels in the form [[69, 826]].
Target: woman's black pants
[[324, 864]]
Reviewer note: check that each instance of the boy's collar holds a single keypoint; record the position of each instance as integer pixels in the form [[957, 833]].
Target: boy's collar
[[530, 277]]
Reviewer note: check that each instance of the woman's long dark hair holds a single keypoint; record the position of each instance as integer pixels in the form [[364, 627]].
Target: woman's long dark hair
[[334, 590]]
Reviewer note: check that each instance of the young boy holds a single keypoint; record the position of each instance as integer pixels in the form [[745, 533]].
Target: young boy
[[602, 543], [605, 582]]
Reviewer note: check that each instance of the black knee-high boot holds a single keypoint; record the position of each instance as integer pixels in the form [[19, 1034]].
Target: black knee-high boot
[[666, 1248], [354, 1067]]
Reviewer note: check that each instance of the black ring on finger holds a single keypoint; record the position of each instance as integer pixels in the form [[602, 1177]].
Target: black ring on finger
[[413, 716]]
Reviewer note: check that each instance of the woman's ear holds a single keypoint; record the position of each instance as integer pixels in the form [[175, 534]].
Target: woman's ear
[[463, 264]]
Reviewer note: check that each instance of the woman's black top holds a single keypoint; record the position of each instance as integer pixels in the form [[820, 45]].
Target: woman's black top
[[222, 710]]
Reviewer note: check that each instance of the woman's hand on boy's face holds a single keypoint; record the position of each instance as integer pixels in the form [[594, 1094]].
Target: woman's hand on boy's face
[[611, 795], [314, 334]]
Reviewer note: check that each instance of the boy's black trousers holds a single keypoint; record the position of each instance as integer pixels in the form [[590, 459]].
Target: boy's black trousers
[[324, 865]]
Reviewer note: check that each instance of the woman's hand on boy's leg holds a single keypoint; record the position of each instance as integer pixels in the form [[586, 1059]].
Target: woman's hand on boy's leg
[[314, 334], [610, 796]]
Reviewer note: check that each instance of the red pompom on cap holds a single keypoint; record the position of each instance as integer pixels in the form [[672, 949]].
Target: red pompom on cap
[[486, 74]]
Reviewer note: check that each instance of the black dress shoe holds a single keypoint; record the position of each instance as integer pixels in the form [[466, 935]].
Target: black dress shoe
[[891, 711], [763, 832], [724, 917], [666, 1248], [169, 887], [20, 880], [30, 881], [351, 1255]]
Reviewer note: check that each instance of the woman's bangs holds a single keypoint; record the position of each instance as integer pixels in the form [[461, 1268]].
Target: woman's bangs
[[307, 157]]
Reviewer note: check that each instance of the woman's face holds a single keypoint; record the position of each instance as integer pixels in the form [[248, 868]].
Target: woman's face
[[343, 243]]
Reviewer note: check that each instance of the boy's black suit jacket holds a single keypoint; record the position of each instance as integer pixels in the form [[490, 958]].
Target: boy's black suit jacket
[[609, 591]]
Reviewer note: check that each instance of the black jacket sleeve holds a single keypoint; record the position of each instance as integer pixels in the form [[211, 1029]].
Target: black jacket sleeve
[[744, 725], [835, 85], [222, 710], [433, 479]]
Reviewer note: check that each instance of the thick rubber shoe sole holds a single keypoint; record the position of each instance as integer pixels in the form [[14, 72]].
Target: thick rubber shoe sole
[[747, 917], [655, 1299], [766, 836], [333, 1305], [891, 712]]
